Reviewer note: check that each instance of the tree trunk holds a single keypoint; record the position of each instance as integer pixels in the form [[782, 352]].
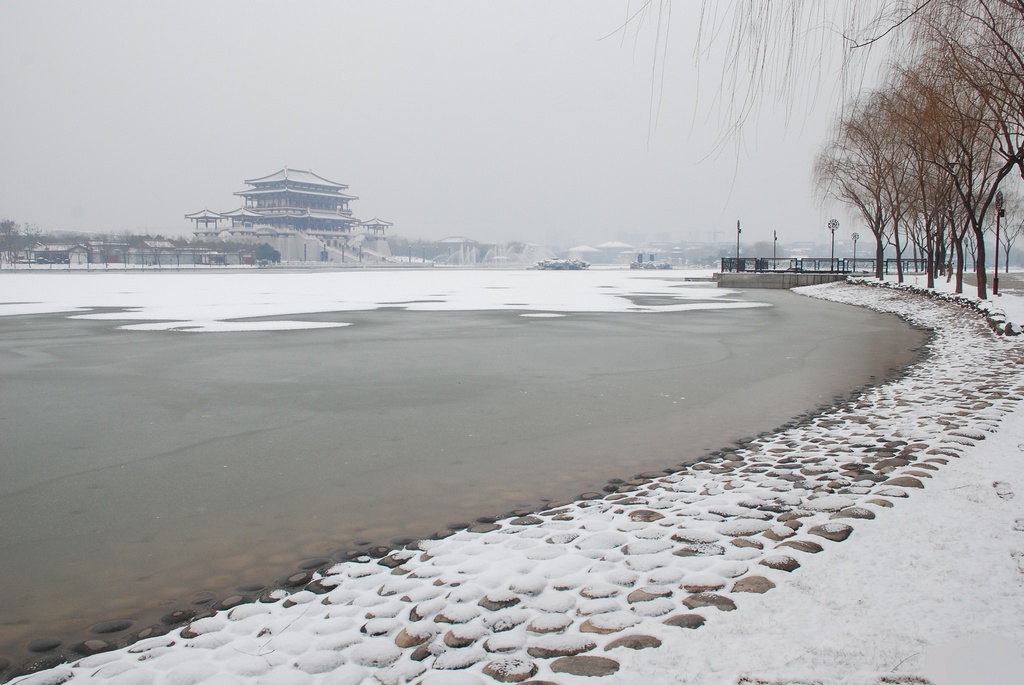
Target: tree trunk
[[929, 255], [979, 264], [899, 252], [958, 247], [879, 256]]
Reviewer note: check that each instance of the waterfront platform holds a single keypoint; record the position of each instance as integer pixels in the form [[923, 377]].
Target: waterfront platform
[[775, 279]]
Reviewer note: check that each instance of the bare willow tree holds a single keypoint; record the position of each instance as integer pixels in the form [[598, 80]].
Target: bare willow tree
[[983, 45], [899, 187], [976, 151], [792, 51], [936, 138], [910, 110], [875, 163], [899, 151], [779, 49], [852, 168]]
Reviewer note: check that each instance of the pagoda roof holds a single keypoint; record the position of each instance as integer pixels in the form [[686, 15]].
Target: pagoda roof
[[286, 174], [241, 212], [286, 188], [205, 214], [376, 222], [302, 212], [293, 212], [331, 215]]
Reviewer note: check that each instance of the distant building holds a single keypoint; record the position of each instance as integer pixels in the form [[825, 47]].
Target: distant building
[[285, 201], [614, 252], [58, 253], [148, 252], [585, 252], [302, 215], [606, 253], [206, 218]]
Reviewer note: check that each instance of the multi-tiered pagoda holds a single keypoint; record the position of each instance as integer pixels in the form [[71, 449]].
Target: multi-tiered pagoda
[[285, 201]]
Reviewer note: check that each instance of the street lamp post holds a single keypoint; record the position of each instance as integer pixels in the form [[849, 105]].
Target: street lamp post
[[833, 225], [775, 244], [1000, 212], [856, 237], [738, 231]]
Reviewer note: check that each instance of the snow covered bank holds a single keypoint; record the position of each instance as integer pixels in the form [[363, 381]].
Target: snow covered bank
[[881, 541]]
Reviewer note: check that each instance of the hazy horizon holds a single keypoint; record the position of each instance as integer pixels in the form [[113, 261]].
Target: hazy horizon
[[500, 121]]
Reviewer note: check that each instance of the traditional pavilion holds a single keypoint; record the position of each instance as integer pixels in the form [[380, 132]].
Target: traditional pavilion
[[287, 201], [206, 217], [376, 226]]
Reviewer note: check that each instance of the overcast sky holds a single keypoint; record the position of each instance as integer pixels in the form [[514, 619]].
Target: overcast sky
[[503, 120]]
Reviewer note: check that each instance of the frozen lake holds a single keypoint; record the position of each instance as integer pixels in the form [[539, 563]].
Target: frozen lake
[[146, 469]]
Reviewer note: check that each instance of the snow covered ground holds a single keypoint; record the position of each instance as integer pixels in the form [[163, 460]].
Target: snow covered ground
[[229, 301], [879, 542]]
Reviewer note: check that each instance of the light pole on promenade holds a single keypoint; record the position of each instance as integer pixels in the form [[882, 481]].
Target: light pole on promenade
[[738, 231], [833, 225], [1000, 212], [856, 237]]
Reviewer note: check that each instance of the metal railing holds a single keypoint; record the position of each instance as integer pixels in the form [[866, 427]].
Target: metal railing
[[817, 265], [783, 264], [889, 266]]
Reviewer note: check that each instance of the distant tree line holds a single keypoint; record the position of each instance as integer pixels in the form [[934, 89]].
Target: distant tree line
[[17, 239], [266, 253], [14, 237]]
